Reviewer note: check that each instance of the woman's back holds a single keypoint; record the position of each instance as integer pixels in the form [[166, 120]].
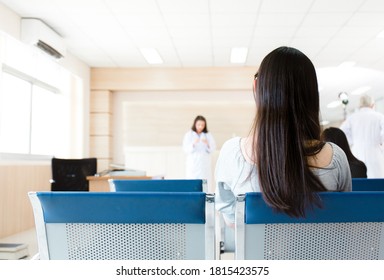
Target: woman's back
[[358, 169], [284, 145], [286, 132], [337, 136]]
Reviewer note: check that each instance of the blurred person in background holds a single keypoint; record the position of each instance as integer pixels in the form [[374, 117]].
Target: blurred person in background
[[337, 136], [365, 133], [199, 144]]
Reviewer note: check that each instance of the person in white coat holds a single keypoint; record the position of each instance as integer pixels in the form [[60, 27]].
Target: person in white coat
[[199, 144], [365, 133]]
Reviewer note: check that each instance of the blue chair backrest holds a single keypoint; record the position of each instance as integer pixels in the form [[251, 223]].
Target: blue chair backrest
[[124, 225], [168, 185], [350, 225], [338, 207], [367, 184], [132, 207]]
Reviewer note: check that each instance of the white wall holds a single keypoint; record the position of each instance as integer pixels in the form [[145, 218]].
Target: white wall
[[19, 177], [10, 24], [149, 118], [9, 21], [149, 126]]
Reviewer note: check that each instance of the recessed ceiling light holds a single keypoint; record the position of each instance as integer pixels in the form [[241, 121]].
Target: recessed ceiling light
[[324, 122], [239, 55], [151, 55], [360, 90], [334, 104]]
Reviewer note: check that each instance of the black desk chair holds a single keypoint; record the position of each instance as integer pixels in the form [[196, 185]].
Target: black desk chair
[[71, 174]]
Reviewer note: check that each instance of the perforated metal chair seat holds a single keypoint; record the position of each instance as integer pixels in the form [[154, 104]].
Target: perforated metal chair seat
[[349, 226], [131, 225]]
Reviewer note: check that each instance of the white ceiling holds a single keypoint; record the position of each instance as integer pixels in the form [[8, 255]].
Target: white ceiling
[[201, 33]]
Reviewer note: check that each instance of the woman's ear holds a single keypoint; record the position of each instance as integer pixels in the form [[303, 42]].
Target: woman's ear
[[255, 81]]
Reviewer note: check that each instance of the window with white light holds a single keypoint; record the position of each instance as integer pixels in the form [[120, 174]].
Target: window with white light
[[30, 116], [42, 104]]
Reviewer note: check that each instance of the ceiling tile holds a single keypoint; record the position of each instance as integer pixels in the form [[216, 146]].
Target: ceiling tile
[[189, 32], [177, 6], [280, 19], [283, 6], [140, 20], [220, 32], [231, 42], [367, 19], [235, 6], [312, 32], [273, 32], [372, 6], [326, 19], [198, 20], [332, 6], [233, 20], [131, 7]]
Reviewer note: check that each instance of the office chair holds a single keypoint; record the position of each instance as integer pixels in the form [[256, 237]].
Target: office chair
[[349, 226], [124, 225], [71, 174], [167, 185]]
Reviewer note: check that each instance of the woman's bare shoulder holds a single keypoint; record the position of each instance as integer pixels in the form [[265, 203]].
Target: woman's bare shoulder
[[323, 158]]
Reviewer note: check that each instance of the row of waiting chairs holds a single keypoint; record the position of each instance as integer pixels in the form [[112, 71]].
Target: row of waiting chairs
[[138, 224]]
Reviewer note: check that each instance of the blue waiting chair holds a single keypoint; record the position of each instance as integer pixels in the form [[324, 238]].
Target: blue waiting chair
[[350, 225], [168, 185], [124, 225], [173, 185], [367, 184]]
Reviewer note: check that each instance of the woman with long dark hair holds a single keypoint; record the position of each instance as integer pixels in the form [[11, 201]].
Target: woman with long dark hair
[[283, 157], [337, 136]]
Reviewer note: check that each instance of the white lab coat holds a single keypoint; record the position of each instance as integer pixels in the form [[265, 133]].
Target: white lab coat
[[365, 132], [198, 164]]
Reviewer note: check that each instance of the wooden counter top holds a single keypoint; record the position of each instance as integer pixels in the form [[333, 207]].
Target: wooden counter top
[[107, 177], [101, 184]]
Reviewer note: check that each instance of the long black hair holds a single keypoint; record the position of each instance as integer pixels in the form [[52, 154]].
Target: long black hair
[[286, 131], [337, 136]]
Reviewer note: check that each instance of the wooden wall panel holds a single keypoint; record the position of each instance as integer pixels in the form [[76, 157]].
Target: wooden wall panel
[[157, 121], [152, 124], [100, 101], [16, 180], [101, 146], [103, 164], [101, 127], [208, 78], [101, 124]]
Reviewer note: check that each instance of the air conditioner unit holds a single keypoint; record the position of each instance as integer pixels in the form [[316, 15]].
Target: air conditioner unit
[[36, 32]]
